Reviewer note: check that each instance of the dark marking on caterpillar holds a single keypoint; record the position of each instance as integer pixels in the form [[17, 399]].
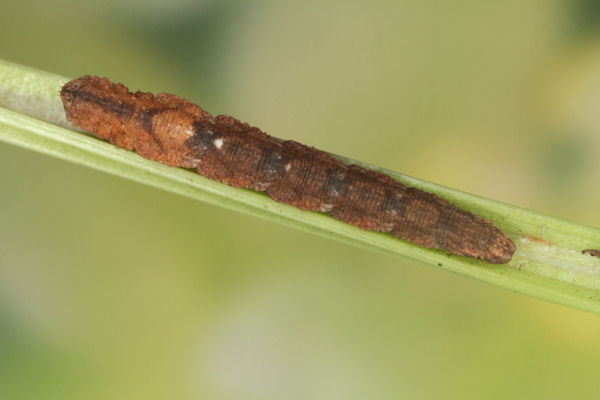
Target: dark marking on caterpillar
[[122, 110], [176, 132], [591, 252]]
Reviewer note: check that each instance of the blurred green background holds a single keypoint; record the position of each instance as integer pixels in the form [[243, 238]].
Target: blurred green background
[[110, 289]]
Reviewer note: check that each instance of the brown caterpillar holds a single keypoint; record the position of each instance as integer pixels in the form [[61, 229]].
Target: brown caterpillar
[[176, 132]]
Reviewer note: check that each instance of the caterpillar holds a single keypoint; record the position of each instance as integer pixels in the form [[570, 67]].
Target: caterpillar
[[176, 132]]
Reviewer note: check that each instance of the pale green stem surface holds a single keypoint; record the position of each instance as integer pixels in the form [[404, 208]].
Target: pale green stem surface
[[548, 263]]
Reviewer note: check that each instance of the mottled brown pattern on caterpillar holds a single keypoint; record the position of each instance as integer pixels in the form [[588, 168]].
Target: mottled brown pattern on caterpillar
[[173, 131]]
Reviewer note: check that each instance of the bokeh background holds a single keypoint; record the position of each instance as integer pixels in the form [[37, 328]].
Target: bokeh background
[[110, 289]]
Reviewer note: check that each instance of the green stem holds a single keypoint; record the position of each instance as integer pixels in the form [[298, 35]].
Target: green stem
[[548, 263]]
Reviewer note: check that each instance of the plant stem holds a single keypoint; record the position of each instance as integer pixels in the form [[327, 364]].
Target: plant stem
[[548, 263]]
